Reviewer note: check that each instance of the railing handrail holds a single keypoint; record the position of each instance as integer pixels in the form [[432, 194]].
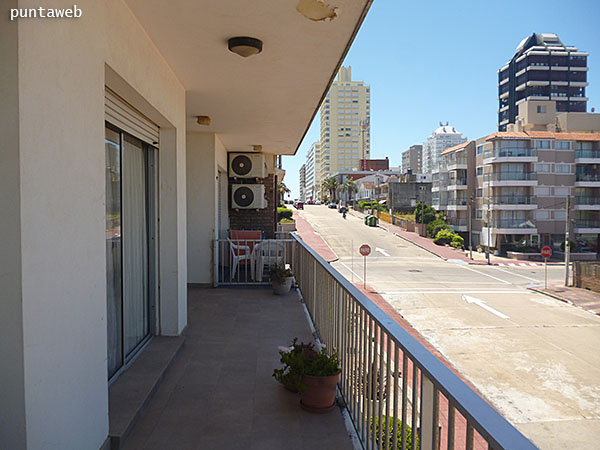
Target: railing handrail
[[486, 420]]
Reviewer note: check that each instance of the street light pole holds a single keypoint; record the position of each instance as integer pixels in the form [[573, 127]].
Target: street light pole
[[567, 246], [470, 212], [489, 225]]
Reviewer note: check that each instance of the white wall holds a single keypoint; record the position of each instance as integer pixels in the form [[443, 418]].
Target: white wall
[[56, 199]]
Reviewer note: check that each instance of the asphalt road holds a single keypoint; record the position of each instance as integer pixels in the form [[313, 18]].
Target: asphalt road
[[536, 359]]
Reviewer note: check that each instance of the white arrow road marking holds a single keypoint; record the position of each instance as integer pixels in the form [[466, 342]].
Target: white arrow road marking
[[481, 303], [382, 251]]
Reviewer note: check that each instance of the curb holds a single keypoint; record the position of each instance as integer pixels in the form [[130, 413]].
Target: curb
[[564, 300]]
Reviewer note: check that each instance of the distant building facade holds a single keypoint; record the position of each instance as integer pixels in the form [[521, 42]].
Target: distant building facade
[[345, 125], [312, 190], [374, 164], [442, 138], [542, 68], [412, 159], [302, 183]]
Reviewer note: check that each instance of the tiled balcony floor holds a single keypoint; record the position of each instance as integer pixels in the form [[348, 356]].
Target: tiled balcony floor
[[219, 392]]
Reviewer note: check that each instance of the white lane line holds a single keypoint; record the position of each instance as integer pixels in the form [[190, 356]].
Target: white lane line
[[416, 291], [481, 303], [512, 264], [501, 264], [522, 264], [518, 275], [351, 271], [487, 275], [382, 251], [532, 264]]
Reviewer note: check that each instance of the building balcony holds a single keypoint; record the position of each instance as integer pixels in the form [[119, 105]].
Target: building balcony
[[458, 224], [587, 156], [517, 154], [587, 226], [587, 203], [220, 393], [500, 179], [457, 204], [511, 226], [511, 202], [587, 180], [457, 184]]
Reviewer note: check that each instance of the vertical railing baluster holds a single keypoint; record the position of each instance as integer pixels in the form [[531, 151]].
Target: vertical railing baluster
[[363, 374], [380, 381], [451, 418], [404, 400], [436, 419], [388, 397], [470, 436], [415, 401]]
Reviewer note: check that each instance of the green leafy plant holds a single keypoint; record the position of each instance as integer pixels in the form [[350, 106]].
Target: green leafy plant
[[303, 359], [444, 237], [279, 274], [389, 422], [284, 213], [434, 227], [424, 213], [457, 241]]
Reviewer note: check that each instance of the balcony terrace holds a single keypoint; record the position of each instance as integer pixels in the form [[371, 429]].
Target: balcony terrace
[[219, 392], [510, 202]]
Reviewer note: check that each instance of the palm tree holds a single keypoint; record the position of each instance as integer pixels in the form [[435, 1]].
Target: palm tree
[[330, 185], [282, 189], [350, 187]]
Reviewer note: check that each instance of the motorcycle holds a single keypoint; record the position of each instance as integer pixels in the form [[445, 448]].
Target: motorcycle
[[344, 213]]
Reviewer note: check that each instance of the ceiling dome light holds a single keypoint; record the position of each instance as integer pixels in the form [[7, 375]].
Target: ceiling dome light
[[245, 46]]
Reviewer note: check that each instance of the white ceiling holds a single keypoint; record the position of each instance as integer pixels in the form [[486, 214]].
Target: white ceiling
[[268, 99]]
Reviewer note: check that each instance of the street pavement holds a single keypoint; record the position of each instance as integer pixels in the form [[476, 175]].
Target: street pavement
[[534, 358]]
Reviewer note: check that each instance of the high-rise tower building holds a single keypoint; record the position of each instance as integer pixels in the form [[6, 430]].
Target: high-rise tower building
[[345, 125], [442, 138], [313, 172], [543, 68]]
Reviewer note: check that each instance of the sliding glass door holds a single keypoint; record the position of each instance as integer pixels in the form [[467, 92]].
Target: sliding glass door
[[130, 245]]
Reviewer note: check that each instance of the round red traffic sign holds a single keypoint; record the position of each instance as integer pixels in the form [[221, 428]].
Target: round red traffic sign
[[364, 249], [546, 252]]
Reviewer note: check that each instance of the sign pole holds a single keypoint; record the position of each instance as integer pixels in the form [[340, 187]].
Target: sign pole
[[545, 273], [365, 274]]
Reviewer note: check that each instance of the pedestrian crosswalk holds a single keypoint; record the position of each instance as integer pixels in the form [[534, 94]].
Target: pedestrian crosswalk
[[520, 264]]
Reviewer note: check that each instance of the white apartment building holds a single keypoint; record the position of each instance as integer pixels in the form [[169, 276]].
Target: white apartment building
[[345, 125], [312, 183], [441, 139], [302, 183]]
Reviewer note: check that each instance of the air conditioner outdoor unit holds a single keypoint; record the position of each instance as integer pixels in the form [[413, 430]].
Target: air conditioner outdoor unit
[[247, 165], [248, 196]]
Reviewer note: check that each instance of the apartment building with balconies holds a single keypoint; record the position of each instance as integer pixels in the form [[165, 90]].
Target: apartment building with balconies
[[542, 68], [412, 159]]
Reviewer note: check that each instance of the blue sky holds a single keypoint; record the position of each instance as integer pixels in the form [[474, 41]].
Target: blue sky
[[434, 61]]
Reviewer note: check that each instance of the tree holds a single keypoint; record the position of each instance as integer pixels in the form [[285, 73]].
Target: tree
[[350, 187], [424, 213], [330, 186], [282, 189]]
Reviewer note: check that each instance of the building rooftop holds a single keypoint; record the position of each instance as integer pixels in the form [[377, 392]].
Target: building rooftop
[[544, 135], [455, 148]]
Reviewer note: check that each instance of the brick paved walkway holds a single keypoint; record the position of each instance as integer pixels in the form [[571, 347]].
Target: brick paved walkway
[[312, 238]]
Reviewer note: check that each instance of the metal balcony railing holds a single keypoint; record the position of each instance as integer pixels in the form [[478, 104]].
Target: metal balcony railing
[[510, 152], [388, 375], [512, 176], [457, 201], [457, 222], [587, 223], [457, 161], [512, 223], [511, 200], [587, 200], [587, 177], [457, 182], [587, 154]]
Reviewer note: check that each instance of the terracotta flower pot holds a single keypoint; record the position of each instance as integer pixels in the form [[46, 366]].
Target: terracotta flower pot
[[319, 396]]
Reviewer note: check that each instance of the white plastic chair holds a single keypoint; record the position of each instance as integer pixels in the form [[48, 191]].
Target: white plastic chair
[[268, 253], [240, 252]]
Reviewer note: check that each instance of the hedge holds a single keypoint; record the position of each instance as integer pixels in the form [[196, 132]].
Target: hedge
[[284, 213], [390, 444]]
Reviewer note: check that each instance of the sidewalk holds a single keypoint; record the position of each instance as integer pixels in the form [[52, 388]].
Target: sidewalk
[[582, 298], [312, 238]]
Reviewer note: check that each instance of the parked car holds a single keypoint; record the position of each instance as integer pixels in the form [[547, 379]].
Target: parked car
[[332, 206], [317, 202], [299, 205]]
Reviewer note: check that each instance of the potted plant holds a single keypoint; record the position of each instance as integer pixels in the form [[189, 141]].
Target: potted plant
[[281, 279], [289, 375], [314, 374]]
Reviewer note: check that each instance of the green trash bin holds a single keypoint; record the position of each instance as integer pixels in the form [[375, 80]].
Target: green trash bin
[[372, 221], [367, 219]]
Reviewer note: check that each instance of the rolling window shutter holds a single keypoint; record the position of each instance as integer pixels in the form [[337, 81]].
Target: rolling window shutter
[[124, 116]]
